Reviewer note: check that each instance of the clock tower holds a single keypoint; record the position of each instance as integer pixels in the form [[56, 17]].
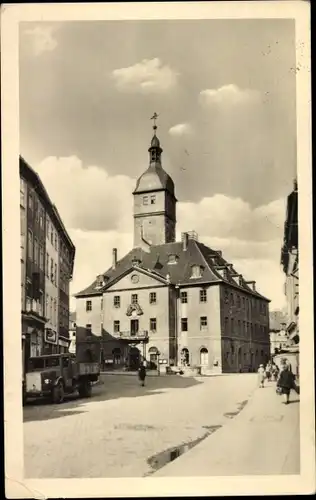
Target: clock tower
[[154, 201]]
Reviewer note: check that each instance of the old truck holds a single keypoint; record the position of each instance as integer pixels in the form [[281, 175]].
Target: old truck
[[56, 375]]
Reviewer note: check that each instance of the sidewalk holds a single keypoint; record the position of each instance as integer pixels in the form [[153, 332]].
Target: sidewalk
[[262, 439]]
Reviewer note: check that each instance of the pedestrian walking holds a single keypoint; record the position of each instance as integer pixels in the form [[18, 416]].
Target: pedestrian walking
[[275, 372], [285, 383], [268, 371], [142, 374], [261, 376]]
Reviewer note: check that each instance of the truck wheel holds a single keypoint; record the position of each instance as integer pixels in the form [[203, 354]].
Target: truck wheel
[[85, 389], [58, 393]]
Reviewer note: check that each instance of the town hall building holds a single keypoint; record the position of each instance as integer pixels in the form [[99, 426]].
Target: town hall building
[[173, 302]]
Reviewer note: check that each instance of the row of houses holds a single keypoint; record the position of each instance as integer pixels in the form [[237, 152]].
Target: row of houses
[[47, 260]]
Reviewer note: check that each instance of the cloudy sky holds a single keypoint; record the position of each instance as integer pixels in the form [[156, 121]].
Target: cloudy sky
[[225, 93]]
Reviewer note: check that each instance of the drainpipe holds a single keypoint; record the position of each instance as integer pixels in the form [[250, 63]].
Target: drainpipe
[[114, 258]]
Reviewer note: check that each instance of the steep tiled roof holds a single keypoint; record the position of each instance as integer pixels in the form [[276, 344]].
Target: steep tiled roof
[[157, 261]]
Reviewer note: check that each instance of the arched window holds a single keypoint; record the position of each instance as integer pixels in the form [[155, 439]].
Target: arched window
[[204, 357], [185, 356]]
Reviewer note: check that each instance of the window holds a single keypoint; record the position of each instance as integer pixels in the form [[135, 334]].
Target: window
[[152, 298], [184, 324], [47, 264], [226, 324], [51, 308], [153, 324], [238, 300], [153, 199], [232, 325], [117, 301], [226, 296], [52, 235], [196, 271], [172, 259], [30, 201], [243, 302], [88, 305], [116, 326], [30, 245], [134, 298], [22, 192], [145, 200], [55, 274], [52, 270], [134, 327], [56, 244], [41, 258], [239, 326], [203, 323], [41, 217], [46, 306], [35, 251], [203, 295], [184, 297], [245, 326], [232, 299], [55, 311]]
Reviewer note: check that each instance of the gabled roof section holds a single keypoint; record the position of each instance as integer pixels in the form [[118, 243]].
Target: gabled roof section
[[156, 262]]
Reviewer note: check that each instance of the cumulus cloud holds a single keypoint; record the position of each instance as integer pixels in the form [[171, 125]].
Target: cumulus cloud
[[97, 211], [42, 38], [225, 217], [229, 95], [147, 76], [87, 197], [180, 129]]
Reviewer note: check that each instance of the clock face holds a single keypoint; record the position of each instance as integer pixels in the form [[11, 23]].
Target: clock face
[[135, 278]]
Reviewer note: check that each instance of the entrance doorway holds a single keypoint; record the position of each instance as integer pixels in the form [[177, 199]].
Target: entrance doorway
[[134, 358], [153, 358], [204, 356], [185, 357]]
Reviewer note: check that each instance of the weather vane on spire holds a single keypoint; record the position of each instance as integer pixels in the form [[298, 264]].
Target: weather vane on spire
[[154, 117]]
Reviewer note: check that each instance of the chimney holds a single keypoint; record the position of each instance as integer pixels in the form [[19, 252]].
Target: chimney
[[219, 252], [185, 239], [114, 258]]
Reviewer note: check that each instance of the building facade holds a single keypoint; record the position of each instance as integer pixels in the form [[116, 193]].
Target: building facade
[[72, 332], [41, 229], [173, 302], [290, 264]]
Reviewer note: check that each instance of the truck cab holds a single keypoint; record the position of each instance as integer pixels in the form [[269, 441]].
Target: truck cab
[[54, 375]]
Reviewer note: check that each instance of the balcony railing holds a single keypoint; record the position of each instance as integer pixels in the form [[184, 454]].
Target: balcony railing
[[128, 335]]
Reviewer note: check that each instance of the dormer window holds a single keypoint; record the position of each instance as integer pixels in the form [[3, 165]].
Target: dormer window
[[172, 258], [196, 271], [99, 281]]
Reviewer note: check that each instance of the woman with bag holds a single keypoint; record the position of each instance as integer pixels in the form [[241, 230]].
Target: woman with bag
[[285, 383]]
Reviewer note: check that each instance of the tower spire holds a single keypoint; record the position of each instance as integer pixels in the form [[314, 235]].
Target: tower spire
[[155, 149]]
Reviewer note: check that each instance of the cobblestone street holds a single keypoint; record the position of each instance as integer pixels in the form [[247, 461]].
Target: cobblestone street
[[114, 433]]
